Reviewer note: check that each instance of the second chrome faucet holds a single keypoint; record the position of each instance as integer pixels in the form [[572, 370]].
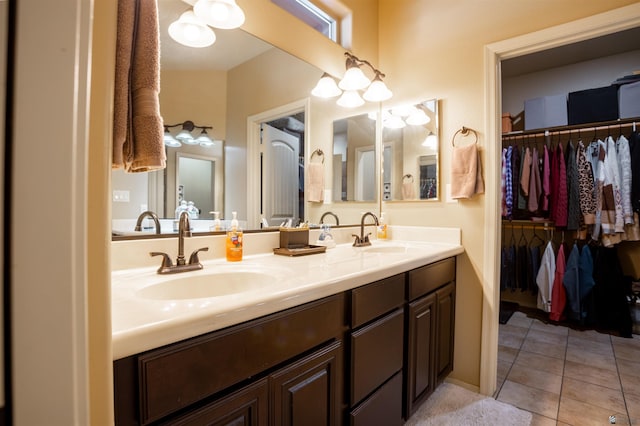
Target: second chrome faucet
[[167, 266]]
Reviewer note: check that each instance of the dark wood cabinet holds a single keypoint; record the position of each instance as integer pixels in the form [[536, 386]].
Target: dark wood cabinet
[[430, 330], [309, 392], [368, 356]]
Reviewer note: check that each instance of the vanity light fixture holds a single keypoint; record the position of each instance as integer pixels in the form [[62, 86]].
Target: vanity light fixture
[[223, 14], [431, 141], [353, 81], [399, 116], [190, 31], [185, 135]]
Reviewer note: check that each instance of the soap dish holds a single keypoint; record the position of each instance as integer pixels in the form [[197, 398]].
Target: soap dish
[[299, 251]]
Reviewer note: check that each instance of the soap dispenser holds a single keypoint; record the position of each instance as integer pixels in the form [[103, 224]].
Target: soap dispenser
[[234, 240], [382, 227], [216, 222]]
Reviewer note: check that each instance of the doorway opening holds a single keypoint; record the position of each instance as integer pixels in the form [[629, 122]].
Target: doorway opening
[[276, 147]]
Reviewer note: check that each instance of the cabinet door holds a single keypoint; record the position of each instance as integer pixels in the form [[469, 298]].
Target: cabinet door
[[446, 297], [421, 345], [246, 407], [309, 391]]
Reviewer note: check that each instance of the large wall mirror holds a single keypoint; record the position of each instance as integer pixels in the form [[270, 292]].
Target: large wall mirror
[[410, 144], [354, 158]]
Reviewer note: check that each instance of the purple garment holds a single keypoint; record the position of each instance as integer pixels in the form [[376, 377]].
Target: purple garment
[[559, 208]]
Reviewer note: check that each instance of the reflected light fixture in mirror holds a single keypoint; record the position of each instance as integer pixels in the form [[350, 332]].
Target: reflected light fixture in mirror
[[186, 136], [223, 14], [354, 80], [399, 117], [188, 30]]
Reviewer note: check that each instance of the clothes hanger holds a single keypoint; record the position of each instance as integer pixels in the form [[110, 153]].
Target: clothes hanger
[[522, 237]]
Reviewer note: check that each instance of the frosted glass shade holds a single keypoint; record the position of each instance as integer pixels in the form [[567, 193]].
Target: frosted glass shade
[[354, 79], [223, 14], [350, 99], [189, 31], [377, 91], [326, 87]]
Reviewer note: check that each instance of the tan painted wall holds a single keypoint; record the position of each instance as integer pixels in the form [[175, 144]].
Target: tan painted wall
[[430, 49]]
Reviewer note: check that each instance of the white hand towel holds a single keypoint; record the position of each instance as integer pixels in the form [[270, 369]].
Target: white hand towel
[[408, 191], [315, 186]]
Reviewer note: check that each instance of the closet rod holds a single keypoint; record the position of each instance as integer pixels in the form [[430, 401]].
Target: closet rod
[[601, 125], [529, 225]]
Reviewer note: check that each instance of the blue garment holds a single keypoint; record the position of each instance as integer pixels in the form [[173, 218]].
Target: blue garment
[[586, 274], [571, 282]]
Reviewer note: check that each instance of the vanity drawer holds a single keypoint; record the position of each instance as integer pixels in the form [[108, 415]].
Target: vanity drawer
[[174, 377], [376, 354], [428, 278], [373, 300], [383, 407]]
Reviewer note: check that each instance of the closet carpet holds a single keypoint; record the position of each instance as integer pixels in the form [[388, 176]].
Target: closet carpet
[[568, 377]]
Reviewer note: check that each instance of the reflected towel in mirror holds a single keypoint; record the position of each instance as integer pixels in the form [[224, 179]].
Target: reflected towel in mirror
[[315, 187], [466, 172]]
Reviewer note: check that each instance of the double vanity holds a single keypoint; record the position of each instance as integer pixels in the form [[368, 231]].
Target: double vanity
[[355, 335]]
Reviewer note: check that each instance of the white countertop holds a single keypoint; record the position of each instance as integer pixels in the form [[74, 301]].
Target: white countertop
[[140, 324]]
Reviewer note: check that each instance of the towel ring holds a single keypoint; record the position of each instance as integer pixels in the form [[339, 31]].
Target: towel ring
[[319, 153], [464, 132], [407, 176]]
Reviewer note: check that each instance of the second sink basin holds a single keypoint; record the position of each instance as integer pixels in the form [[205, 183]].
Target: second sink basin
[[204, 285]]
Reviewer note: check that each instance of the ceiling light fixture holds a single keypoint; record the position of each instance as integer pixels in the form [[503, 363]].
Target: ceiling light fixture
[[185, 135], [353, 80], [189, 31]]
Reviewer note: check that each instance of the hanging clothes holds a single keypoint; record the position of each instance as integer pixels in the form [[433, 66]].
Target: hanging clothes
[[611, 219], [634, 148], [535, 185], [573, 190], [503, 182], [587, 191], [515, 177], [525, 174], [534, 267], [545, 277], [558, 294], [559, 198], [624, 164], [508, 183], [596, 155], [546, 174]]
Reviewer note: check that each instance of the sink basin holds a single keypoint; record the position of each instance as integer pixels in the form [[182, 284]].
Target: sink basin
[[198, 286], [386, 249]]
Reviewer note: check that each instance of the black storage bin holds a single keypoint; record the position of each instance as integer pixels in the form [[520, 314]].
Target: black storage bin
[[593, 105]]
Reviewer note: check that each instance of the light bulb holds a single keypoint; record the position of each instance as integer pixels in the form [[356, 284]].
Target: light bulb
[[350, 99], [191, 32]]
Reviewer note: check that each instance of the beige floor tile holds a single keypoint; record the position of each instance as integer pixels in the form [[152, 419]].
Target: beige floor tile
[[519, 319], [510, 338], [540, 362], [630, 384], [535, 378], [538, 420], [506, 353], [549, 328], [530, 399], [607, 362], [592, 335], [633, 407], [586, 345], [503, 368], [592, 394], [545, 343], [582, 414], [629, 368], [591, 374], [628, 349], [514, 329]]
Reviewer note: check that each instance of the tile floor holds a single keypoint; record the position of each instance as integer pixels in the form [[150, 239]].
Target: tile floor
[[568, 377]]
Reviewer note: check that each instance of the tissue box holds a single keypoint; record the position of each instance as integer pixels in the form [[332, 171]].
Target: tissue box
[[630, 100], [546, 111], [294, 237], [593, 105]]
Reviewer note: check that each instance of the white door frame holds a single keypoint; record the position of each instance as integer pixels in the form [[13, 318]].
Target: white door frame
[[593, 26], [253, 152]]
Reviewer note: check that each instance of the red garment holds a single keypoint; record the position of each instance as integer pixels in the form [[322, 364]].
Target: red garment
[[558, 293]]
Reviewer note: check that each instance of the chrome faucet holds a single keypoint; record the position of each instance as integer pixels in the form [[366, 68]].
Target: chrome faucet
[[363, 240], [153, 216], [329, 214], [167, 267]]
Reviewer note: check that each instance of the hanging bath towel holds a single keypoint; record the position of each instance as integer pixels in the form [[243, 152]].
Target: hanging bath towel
[[466, 172], [316, 182]]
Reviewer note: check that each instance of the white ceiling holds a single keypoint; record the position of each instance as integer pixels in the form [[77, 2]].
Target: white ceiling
[[232, 47]]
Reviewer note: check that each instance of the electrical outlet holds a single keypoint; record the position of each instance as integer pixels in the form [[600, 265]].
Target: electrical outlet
[[121, 196]]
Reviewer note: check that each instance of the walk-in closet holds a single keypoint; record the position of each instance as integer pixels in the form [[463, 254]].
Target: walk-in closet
[[570, 241]]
